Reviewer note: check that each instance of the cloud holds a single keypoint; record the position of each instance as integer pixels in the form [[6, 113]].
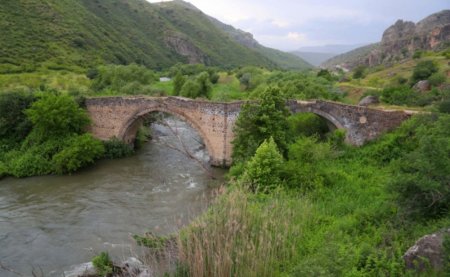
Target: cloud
[[287, 24]]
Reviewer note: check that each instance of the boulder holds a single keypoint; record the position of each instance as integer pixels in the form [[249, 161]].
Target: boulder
[[132, 267], [369, 100], [422, 86], [427, 252]]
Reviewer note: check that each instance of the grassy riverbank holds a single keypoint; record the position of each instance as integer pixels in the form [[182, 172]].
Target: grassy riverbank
[[353, 221]]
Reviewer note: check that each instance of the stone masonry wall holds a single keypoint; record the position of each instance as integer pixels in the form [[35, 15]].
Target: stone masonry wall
[[120, 117]]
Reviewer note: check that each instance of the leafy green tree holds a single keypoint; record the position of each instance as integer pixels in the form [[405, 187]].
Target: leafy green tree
[[324, 73], [423, 70], [263, 171], [205, 85], [260, 121], [14, 125], [190, 89], [56, 115], [422, 178], [178, 82]]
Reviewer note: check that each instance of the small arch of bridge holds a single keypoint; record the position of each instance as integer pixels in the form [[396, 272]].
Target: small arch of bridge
[[128, 131]]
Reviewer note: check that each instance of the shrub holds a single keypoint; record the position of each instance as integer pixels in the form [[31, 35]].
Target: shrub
[[29, 163], [103, 264], [303, 169], [263, 172], [437, 79], [444, 106], [258, 122], [178, 82], [359, 72], [115, 149], [307, 124], [190, 89], [417, 54], [402, 95], [422, 175], [56, 115], [116, 77], [14, 125], [79, 152], [423, 70]]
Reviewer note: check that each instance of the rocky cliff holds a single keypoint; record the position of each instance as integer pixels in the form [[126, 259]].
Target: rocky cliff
[[402, 40]]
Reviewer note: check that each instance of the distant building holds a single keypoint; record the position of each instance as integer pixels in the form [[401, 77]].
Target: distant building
[[164, 79]]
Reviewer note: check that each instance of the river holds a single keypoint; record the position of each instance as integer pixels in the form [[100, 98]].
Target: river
[[50, 223]]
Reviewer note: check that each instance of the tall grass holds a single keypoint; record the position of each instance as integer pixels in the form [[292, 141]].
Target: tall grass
[[244, 235]]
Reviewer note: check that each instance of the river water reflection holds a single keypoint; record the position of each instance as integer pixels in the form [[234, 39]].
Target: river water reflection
[[53, 222]]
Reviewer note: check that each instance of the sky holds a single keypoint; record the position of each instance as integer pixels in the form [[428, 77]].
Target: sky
[[289, 25]]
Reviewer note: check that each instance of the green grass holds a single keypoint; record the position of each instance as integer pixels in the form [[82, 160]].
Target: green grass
[[350, 227]]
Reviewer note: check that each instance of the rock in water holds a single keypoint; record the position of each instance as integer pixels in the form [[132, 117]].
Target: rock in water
[[428, 252]]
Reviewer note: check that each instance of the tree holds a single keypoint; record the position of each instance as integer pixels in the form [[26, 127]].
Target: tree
[[263, 171], [178, 82], [324, 73], [422, 178], [57, 115], [190, 89], [260, 121], [205, 85], [14, 125]]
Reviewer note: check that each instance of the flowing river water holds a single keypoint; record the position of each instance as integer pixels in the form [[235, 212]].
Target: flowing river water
[[50, 223]]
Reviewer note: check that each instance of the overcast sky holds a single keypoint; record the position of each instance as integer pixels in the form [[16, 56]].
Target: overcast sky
[[291, 24]]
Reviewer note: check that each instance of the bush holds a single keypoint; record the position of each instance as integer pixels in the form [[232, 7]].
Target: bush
[[57, 115], [423, 70], [444, 106], [103, 264], [257, 123], [359, 72], [29, 163], [304, 168], [190, 89], [307, 124], [422, 175], [117, 77], [178, 82], [263, 172], [402, 95], [115, 149], [79, 152], [437, 79], [14, 125]]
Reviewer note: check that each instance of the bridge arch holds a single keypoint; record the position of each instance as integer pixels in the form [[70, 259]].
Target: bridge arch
[[330, 118], [127, 132]]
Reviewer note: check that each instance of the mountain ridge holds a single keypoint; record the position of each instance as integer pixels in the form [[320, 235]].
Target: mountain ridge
[[400, 41], [85, 33]]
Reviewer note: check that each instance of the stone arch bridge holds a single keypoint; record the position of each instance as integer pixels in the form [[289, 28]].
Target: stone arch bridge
[[121, 117]]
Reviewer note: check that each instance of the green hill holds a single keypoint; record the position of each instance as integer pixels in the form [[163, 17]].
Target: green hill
[[58, 34]]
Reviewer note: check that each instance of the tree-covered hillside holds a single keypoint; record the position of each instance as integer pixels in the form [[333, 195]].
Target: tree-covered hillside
[[58, 34]]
